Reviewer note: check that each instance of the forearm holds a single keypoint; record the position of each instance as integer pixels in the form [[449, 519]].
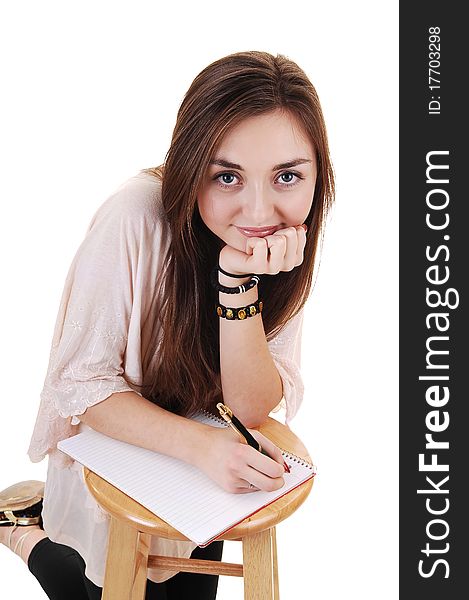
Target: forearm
[[218, 452], [128, 417], [250, 381]]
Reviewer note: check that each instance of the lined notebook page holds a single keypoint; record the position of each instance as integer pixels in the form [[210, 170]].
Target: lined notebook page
[[175, 491]]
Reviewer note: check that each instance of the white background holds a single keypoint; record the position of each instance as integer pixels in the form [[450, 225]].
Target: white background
[[90, 95]]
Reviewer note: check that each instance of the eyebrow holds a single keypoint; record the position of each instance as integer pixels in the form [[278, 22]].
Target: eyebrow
[[286, 165]]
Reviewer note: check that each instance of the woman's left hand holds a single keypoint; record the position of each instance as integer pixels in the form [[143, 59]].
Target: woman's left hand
[[281, 251]]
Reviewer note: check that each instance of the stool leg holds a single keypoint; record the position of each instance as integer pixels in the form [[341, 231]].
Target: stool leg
[[260, 566], [275, 563], [141, 568], [126, 565]]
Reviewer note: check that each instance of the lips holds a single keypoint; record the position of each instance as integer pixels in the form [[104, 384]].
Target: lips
[[257, 231]]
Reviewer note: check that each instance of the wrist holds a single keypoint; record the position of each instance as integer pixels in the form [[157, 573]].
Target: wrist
[[239, 300], [225, 257], [232, 281], [234, 290], [203, 440]]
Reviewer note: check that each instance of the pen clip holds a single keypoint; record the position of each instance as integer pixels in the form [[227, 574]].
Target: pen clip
[[225, 412]]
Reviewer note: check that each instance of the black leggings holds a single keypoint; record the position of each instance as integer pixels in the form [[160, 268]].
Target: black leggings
[[61, 572]]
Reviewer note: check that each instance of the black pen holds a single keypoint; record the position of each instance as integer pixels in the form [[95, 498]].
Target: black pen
[[241, 430]]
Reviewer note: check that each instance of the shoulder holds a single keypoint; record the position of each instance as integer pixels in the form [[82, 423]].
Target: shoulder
[[135, 202]]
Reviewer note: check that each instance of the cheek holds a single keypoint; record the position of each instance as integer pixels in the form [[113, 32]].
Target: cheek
[[298, 210], [215, 212]]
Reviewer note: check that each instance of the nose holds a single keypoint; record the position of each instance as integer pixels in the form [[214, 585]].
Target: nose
[[258, 208]]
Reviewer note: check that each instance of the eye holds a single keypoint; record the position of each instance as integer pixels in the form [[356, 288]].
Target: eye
[[226, 180], [289, 178]]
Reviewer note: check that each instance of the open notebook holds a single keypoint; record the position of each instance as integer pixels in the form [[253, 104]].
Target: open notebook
[[175, 491]]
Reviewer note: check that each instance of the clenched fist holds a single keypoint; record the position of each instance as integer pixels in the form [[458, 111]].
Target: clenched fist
[[281, 251]]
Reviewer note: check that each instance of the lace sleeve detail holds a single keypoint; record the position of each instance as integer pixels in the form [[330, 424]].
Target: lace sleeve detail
[[86, 364], [285, 349]]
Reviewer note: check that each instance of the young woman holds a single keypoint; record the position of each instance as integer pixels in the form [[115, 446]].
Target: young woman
[[147, 334]]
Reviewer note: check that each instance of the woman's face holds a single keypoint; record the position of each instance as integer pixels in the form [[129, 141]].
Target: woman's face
[[260, 180]]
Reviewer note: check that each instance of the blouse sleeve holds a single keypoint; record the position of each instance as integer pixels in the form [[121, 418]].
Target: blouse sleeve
[[105, 315], [285, 349], [103, 306]]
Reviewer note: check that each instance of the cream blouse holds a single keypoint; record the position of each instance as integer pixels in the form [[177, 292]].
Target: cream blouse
[[103, 328]]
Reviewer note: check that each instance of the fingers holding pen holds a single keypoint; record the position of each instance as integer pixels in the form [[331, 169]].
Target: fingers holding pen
[[259, 470], [253, 460], [269, 447]]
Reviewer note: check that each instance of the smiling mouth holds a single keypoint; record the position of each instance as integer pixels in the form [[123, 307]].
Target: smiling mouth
[[257, 231]]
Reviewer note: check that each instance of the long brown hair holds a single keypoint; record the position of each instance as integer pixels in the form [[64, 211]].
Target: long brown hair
[[183, 370]]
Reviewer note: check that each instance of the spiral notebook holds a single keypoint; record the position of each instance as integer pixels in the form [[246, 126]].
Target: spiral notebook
[[176, 491]]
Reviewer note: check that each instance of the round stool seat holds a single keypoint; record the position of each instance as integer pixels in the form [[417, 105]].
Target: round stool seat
[[124, 508]]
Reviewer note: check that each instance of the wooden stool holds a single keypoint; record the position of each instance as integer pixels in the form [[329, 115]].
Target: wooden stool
[[132, 525]]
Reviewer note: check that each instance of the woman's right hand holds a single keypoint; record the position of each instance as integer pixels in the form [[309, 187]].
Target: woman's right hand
[[234, 465]]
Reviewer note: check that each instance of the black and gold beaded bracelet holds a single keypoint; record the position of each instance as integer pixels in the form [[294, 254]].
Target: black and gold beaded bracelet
[[241, 313]]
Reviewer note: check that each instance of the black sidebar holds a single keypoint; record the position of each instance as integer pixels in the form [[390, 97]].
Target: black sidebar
[[434, 259]]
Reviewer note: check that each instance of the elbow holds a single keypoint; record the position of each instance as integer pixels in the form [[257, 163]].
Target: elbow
[[255, 423], [256, 416], [88, 418], [95, 415]]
